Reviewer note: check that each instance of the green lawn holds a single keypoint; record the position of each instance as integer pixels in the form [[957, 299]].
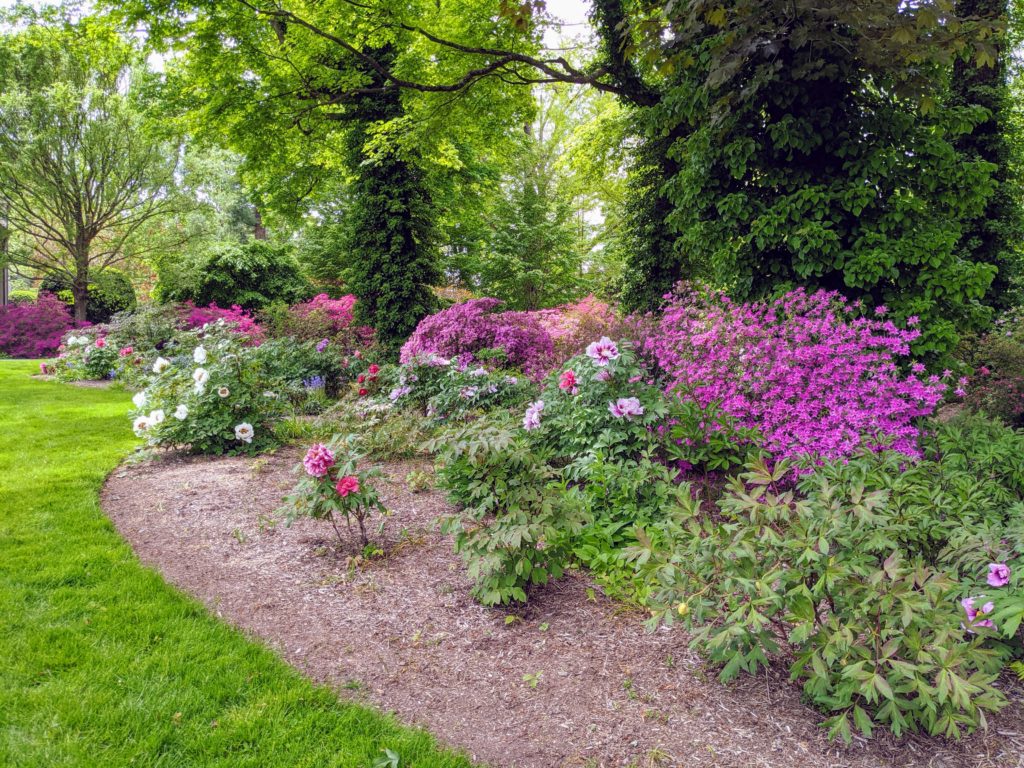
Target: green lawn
[[101, 662]]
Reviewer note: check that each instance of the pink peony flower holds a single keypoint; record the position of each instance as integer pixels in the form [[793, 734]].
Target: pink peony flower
[[998, 574], [602, 351], [319, 459], [531, 419], [567, 383], [626, 407], [346, 485], [973, 614], [125, 351], [374, 369], [101, 342]]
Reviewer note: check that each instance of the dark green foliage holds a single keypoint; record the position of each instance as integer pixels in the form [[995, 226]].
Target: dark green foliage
[[391, 257], [994, 235], [252, 275], [110, 292]]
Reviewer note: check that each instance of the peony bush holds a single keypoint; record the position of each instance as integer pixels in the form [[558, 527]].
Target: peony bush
[[813, 378]]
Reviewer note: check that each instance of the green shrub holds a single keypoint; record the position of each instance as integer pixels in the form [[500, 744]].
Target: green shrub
[[22, 296], [252, 275], [517, 519], [384, 432], [110, 292], [210, 394], [857, 574]]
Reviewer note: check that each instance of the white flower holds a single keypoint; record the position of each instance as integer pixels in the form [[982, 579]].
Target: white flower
[[156, 417], [244, 432], [161, 364], [181, 412], [269, 394], [200, 376], [140, 400], [199, 355], [140, 425], [223, 391], [531, 419]]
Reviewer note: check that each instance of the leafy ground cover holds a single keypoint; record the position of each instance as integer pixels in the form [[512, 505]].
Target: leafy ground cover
[[104, 663]]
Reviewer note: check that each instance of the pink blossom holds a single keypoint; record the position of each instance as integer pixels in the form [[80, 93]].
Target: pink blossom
[[626, 407], [346, 485], [913, 320], [125, 351], [602, 351], [918, 368], [319, 459], [998, 574], [531, 419], [567, 382], [881, 309], [101, 342], [973, 614]]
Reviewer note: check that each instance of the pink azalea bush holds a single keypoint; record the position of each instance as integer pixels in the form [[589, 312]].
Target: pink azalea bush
[[814, 380], [34, 329], [574, 325], [464, 329], [237, 318]]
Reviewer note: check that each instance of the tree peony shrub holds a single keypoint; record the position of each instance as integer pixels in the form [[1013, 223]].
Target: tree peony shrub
[[814, 380], [235, 318], [467, 328], [34, 329], [998, 385], [210, 393]]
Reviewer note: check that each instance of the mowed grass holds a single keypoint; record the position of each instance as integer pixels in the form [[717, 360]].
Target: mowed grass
[[104, 664]]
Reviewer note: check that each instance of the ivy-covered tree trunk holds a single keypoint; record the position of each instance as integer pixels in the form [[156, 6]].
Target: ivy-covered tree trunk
[[989, 237], [391, 253]]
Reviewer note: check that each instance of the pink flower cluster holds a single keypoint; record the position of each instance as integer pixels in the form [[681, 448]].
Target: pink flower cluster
[[237, 318], [626, 408], [318, 461], [812, 380], [464, 329], [337, 311], [34, 329], [346, 485], [571, 326]]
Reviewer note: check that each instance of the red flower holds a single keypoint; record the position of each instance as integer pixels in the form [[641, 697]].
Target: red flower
[[360, 378], [101, 342], [568, 381], [125, 351], [374, 369], [346, 485], [364, 392]]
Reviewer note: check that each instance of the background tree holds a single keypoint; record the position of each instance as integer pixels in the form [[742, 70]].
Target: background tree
[[79, 174]]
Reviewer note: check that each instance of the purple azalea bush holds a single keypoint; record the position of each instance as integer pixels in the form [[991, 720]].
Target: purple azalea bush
[[34, 329]]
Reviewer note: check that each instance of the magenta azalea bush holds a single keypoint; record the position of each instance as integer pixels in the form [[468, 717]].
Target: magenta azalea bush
[[814, 379], [34, 329], [236, 318], [465, 329]]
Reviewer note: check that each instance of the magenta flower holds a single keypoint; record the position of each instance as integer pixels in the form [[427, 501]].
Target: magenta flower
[[998, 574], [626, 408], [319, 459], [567, 383], [913, 320], [602, 351], [918, 368], [346, 485], [531, 419], [973, 614], [881, 309]]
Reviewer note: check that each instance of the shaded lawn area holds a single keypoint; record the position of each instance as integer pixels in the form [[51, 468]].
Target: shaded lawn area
[[104, 664]]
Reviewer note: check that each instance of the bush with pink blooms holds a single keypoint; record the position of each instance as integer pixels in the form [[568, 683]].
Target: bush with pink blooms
[[34, 329], [235, 318], [321, 319], [463, 330], [575, 325], [333, 488], [814, 378]]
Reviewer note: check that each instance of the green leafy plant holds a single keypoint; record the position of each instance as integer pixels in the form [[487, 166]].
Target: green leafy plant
[[331, 489]]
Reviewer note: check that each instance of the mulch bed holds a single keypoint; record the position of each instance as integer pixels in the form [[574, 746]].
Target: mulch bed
[[574, 681]]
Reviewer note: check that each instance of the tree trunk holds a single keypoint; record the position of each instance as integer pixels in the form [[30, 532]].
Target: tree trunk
[[259, 231], [80, 284]]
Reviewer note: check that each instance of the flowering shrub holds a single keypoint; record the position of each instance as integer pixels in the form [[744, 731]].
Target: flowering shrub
[[88, 356], [462, 330], [998, 385], [235, 318], [333, 487], [572, 326], [209, 393], [321, 319], [813, 380], [34, 329], [884, 581]]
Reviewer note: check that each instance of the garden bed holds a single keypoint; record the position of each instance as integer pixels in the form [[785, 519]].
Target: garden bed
[[575, 680]]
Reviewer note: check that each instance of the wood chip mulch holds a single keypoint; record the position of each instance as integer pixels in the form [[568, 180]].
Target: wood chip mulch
[[574, 681]]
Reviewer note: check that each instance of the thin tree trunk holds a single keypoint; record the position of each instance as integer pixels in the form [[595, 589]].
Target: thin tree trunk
[[259, 231], [80, 285]]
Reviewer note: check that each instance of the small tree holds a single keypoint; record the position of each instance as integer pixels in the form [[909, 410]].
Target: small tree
[[80, 178]]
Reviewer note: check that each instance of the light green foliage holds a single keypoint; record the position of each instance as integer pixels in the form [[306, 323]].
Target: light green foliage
[[83, 620], [858, 572], [384, 432], [517, 517], [109, 292]]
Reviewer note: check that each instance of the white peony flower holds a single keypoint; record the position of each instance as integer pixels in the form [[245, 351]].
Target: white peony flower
[[156, 417], [140, 400], [200, 376], [270, 395], [161, 364], [223, 391], [199, 355], [140, 425], [181, 412], [244, 432]]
